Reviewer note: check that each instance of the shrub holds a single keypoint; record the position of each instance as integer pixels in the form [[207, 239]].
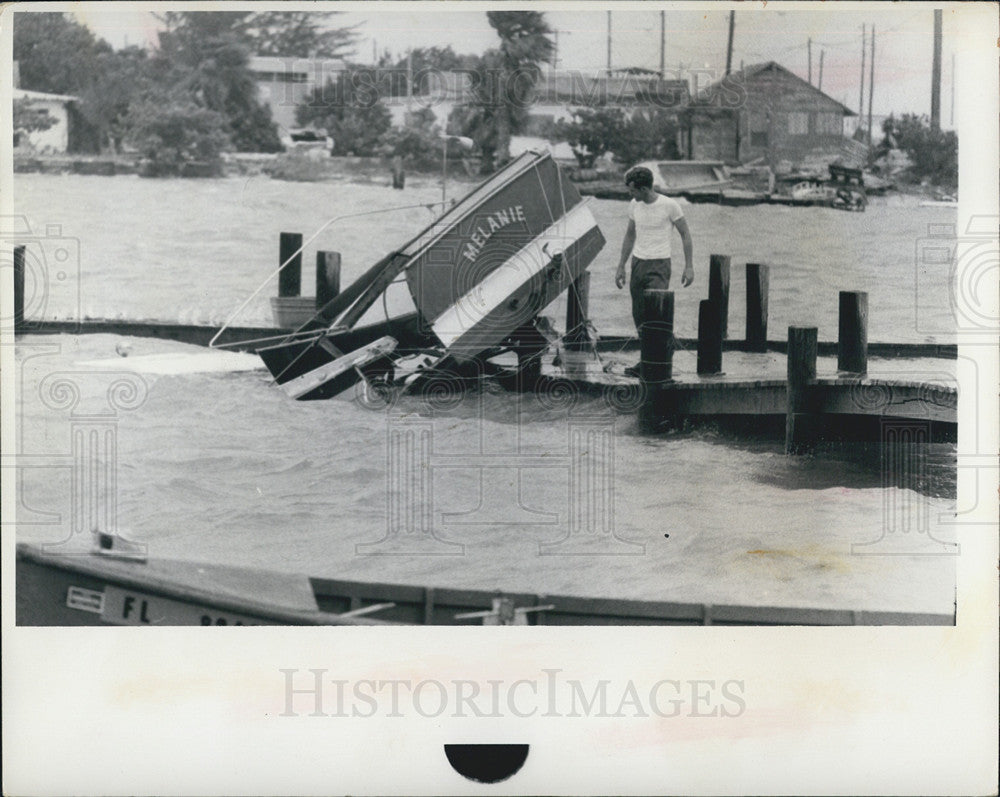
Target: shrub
[[593, 132], [644, 135], [171, 134], [417, 142], [933, 153], [648, 134], [350, 109]]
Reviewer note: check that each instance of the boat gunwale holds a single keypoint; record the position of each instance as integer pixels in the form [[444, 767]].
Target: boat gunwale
[[665, 613], [87, 565]]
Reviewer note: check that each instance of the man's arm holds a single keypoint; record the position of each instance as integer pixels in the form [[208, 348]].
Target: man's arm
[[682, 227], [627, 245]]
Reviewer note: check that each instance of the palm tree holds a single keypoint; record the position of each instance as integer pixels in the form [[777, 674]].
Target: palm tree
[[503, 82]]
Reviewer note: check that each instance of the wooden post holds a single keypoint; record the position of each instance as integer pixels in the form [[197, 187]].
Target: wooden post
[[718, 287], [757, 283], [852, 342], [709, 338], [656, 337], [290, 278], [18, 286], [577, 303], [801, 371], [398, 175], [656, 347], [327, 277]]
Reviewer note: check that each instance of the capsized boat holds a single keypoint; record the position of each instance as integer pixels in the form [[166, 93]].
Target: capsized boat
[[469, 286]]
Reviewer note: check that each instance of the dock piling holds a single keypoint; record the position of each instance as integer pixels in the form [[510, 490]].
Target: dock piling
[[290, 278], [18, 286], [327, 277], [758, 276], [577, 304], [801, 371], [656, 351], [398, 175], [656, 336], [709, 338], [852, 340], [718, 287]]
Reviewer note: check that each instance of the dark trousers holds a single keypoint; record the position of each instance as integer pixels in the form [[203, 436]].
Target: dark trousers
[[647, 274]]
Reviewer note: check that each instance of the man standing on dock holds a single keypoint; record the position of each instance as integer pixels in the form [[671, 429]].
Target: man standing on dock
[[652, 218]]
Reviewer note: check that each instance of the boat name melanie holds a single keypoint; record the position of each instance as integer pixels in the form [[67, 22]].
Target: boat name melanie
[[495, 221]]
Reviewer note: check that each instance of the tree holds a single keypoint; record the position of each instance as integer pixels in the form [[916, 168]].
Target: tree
[[122, 78], [418, 141], [173, 131], [503, 82], [205, 55], [649, 133], [54, 53], [593, 132], [933, 153], [350, 110], [424, 61], [299, 34]]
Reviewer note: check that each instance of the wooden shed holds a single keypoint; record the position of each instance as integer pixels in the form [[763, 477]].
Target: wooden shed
[[763, 111]]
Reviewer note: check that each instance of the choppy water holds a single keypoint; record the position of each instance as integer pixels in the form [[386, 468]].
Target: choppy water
[[192, 251], [222, 467]]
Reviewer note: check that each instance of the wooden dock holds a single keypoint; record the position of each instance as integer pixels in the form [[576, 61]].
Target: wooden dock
[[848, 403]]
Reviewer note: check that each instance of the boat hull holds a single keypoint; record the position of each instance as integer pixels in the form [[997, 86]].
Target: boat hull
[[92, 590], [465, 283]]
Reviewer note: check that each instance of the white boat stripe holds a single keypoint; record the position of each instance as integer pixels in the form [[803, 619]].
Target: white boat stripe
[[531, 259]]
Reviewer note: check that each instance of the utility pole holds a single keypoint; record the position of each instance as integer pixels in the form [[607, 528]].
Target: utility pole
[[609, 42], [936, 74], [861, 97], [555, 52], [871, 92], [953, 91], [409, 80], [809, 47], [729, 46], [821, 52], [663, 44]]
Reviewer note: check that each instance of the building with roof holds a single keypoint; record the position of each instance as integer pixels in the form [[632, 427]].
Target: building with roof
[[556, 97], [56, 139], [763, 111], [284, 83], [559, 95]]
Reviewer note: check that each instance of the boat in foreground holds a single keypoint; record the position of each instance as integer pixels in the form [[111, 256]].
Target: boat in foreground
[[105, 588]]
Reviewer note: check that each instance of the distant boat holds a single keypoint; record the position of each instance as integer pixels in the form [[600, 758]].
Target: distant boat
[[833, 195], [674, 178], [939, 203], [467, 287]]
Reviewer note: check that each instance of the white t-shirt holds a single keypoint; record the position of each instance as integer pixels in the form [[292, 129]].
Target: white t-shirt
[[654, 226]]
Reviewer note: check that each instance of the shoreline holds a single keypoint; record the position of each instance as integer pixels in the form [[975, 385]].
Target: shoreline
[[337, 168]]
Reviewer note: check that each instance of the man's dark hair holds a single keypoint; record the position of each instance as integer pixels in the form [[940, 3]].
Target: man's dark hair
[[639, 176]]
